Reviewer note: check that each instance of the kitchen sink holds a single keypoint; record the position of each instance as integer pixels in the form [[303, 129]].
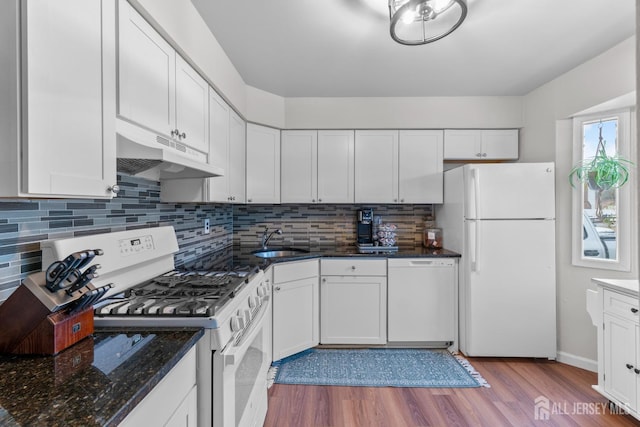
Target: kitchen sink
[[279, 252]]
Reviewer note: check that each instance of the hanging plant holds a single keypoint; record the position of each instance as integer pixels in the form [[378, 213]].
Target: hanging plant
[[601, 172]]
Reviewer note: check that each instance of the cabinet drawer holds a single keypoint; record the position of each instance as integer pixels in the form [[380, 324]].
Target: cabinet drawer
[[291, 271], [353, 267], [621, 305]]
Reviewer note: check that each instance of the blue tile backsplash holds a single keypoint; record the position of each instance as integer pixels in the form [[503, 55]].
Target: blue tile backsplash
[[25, 223]]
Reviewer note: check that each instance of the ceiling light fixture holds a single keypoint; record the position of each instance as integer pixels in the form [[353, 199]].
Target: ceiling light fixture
[[415, 22]]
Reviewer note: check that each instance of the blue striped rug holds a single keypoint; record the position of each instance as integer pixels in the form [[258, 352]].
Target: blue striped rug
[[380, 367]]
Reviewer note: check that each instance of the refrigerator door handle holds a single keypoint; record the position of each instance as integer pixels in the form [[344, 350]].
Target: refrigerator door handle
[[475, 177], [474, 245]]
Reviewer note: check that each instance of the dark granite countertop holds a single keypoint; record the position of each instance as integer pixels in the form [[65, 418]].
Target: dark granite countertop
[[92, 383], [233, 256]]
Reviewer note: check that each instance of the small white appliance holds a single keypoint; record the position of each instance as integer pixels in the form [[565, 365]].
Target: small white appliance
[[501, 219], [232, 303]]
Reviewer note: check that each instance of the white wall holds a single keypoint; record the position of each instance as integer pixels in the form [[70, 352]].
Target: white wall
[[265, 108], [406, 112], [547, 136]]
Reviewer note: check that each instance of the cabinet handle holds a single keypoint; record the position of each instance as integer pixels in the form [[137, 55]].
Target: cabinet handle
[[353, 268], [324, 280], [182, 135], [637, 371], [484, 154], [634, 310], [395, 200], [478, 154], [249, 200], [175, 133], [116, 189], [401, 200], [319, 200], [629, 366], [313, 200], [277, 288]]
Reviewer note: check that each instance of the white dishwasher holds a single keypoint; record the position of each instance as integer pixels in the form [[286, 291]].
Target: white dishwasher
[[423, 301]]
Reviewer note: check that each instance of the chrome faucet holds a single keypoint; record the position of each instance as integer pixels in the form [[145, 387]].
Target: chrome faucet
[[266, 236]]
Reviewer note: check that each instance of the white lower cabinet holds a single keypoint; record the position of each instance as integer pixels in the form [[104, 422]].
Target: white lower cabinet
[[615, 314], [353, 306], [173, 402], [422, 300], [295, 307], [620, 360]]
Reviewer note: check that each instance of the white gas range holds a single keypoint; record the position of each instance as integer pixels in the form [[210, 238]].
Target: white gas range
[[234, 307]]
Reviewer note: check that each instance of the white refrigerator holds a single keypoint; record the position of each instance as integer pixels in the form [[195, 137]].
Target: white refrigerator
[[501, 218]]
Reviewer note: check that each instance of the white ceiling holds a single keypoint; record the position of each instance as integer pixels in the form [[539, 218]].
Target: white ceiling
[[342, 48]]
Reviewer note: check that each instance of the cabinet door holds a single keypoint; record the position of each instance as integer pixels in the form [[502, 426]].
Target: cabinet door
[[187, 413], [462, 144], [420, 168], [620, 359], [236, 167], [192, 107], [353, 310], [219, 120], [263, 164], [335, 166], [422, 301], [295, 316], [147, 66], [68, 82], [376, 166], [500, 144], [299, 166]]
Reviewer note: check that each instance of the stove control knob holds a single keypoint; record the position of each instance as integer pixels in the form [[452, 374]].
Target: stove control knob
[[254, 302], [237, 323], [247, 316]]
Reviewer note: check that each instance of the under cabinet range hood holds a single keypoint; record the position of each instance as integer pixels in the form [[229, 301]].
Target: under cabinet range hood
[[144, 153]]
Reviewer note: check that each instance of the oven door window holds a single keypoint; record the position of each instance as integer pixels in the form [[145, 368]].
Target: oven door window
[[246, 374]]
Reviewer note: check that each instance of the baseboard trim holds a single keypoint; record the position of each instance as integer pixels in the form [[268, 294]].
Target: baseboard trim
[[577, 361]]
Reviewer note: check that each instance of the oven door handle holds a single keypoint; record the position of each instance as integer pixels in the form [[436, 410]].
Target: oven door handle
[[235, 351]]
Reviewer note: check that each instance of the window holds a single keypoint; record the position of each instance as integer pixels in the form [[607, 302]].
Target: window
[[602, 217]]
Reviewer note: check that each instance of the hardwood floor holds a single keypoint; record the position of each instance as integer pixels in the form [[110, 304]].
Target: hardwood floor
[[515, 385]]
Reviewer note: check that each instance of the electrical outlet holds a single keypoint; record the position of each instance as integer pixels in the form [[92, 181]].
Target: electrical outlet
[[207, 229]]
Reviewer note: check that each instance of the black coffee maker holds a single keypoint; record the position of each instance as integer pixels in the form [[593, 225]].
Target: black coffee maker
[[364, 227]]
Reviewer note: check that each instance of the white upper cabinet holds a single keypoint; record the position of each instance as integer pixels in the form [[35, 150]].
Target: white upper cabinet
[[226, 135], [237, 156], [398, 166], [420, 166], [146, 78], [335, 166], [263, 164], [480, 144], [317, 166], [299, 166], [59, 128], [192, 99], [219, 115], [376, 166], [157, 89]]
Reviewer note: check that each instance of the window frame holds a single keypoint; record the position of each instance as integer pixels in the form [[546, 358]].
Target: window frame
[[625, 196]]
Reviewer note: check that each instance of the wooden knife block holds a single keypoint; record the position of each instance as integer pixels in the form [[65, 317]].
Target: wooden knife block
[[28, 327]]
